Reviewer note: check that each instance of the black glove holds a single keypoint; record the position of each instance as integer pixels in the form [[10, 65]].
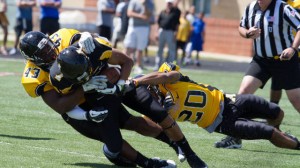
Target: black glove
[[97, 114], [168, 102]]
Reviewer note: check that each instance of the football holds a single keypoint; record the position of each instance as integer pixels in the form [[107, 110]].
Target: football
[[112, 73]]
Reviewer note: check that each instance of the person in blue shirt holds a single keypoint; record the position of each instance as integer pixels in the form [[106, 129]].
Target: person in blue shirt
[[197, 38], [106, 11], [49, 15]]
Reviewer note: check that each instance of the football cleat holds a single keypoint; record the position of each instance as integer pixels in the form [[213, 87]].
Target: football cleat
[[229, 143], [159, 163], [181, 155], [195, 162], [179, 152], [117, 159], [288, 134]]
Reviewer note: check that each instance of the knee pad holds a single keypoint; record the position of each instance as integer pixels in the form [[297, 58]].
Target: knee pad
[[116, 158]]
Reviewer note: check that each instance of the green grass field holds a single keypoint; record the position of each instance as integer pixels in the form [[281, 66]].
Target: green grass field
[[33, 135]]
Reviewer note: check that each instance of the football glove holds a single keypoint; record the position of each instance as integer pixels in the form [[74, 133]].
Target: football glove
[[168, 102], [97, 82], [86, 43], [97, 114], [113, 89]]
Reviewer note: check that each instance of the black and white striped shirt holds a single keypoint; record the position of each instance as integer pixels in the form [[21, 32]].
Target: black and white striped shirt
[[276, 24]]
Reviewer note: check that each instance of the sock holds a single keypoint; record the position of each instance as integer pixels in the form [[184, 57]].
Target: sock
[[141, 160], [185, 147], [277, 126], [164, 138], [276, 102]]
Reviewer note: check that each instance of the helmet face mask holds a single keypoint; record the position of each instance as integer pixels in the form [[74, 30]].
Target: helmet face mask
[[83, 78], [46, 53], [38, 48]]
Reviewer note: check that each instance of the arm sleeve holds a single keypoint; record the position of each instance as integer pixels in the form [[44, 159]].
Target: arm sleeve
[[77, 113], [244, 20]]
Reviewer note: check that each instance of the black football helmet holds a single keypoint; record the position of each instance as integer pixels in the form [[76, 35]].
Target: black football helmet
[[38, 48], [73, 64]]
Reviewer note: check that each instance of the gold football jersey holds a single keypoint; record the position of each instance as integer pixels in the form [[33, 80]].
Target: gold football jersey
[[194, 102], [35, 80], [98, 59]]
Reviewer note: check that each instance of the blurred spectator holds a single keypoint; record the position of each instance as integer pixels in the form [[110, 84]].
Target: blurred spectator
[[191, 18], [137, 36], [152, 22], [23, 20], [4, 24], [49, 15], [121, 26], [183, 35], [176, 9], [168, 22], [197, 39], [191, 14], [106, 11]]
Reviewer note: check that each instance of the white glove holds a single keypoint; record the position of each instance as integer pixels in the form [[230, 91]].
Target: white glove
[[121, 84], [97, 114], [168, 102], [113, 89], [86, 43], [97, 82]]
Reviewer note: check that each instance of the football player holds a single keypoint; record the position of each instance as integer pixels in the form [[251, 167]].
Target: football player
[[215, 111], [40, 51], [65, 74]]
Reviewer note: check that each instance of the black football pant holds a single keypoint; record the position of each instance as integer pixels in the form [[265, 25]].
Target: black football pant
[[238, 115], [108, 131], [141, 101]]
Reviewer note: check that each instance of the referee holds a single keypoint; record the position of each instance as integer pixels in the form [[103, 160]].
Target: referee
[[269, 24]]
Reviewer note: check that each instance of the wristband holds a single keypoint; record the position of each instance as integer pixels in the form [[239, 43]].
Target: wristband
[[136, 83]]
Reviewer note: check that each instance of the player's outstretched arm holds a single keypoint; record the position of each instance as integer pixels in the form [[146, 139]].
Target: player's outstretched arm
[[156, 78]]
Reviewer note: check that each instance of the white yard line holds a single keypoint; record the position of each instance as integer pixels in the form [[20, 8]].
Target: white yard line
[[53, 149]]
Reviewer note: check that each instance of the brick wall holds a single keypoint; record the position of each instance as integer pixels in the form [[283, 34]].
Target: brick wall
[[222, 36]]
